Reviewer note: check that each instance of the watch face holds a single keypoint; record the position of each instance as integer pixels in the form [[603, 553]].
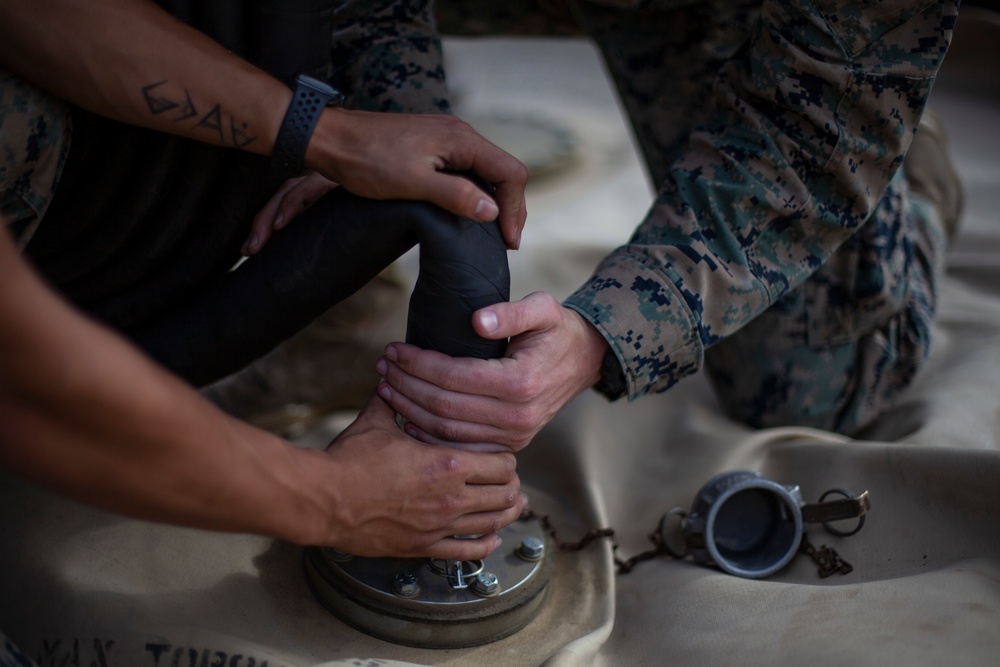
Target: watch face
[[332, 95]]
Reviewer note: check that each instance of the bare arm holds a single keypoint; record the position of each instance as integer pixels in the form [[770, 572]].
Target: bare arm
[[131, 61], [84, 413]]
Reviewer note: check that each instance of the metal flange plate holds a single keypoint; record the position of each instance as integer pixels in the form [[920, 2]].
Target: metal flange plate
[[418, 602]]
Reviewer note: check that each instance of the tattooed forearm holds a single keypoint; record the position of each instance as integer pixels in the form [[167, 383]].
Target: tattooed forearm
[[230, 131]]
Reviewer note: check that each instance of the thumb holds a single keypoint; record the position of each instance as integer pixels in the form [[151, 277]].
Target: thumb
[[536, 312]]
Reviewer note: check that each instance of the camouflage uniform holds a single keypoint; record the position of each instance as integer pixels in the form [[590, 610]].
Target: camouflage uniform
[[387, 57], [783, 251], [34, 139], [10, 656]]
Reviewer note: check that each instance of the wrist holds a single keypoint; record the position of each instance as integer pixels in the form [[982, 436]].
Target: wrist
[[329, 151], [592, 348], [319, 504], [278, 490], [310, 99], [323, 151], [607, 376]]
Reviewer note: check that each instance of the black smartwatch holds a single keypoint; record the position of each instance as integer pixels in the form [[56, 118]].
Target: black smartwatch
[[612, 383], [310, 98]]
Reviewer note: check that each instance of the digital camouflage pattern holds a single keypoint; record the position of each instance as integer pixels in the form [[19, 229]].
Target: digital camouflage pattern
[[34, 140], [775, 132], [10, 656], [387, 57]]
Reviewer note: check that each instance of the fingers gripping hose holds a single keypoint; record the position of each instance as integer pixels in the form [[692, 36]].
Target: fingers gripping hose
[[324, 256]]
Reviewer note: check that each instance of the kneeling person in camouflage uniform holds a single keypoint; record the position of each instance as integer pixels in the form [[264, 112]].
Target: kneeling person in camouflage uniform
[[789, 250]]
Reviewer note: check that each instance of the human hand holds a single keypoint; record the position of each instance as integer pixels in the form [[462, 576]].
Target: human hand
[[553, 355], [408, 156], [398, 497], [294, 196]]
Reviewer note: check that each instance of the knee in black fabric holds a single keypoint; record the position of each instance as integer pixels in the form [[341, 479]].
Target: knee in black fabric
[[334, 248]]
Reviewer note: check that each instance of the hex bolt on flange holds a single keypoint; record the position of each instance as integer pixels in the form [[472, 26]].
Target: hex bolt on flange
[[337, 555], [405, 585], [531, 549], [486, 584]]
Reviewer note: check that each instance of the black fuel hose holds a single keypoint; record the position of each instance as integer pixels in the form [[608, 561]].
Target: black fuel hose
[[326, 254]]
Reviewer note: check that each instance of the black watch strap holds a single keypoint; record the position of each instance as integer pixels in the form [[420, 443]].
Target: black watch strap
[[311, 96], [612, 383]]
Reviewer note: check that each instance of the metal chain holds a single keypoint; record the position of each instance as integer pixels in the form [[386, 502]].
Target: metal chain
[[590, 536], [660, 548], [622, 566], [826, 558]]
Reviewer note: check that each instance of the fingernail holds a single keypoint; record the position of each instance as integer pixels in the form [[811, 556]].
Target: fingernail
[[254, 240], [410, 430], [381, 366], [488, 321], [279, 221], [384, 391], [486, 210], [391, 353]]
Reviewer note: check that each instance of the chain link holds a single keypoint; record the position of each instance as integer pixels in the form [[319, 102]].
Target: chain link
[[826, 558]]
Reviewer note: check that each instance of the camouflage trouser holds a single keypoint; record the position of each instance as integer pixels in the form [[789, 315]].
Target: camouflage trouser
[[34, 140], [837, 350], [10, 656]]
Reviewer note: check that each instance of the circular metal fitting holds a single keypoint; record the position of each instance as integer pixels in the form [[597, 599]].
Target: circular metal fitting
[[830, 528], [436, 603], [745, 524]]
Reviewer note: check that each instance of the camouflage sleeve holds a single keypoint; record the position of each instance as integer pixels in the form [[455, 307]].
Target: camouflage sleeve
[[11, 656], [808, 126], [387, 56], [35, 132]]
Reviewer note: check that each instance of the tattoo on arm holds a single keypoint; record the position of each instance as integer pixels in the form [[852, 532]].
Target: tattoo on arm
[[188, 111], [213, 120]]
